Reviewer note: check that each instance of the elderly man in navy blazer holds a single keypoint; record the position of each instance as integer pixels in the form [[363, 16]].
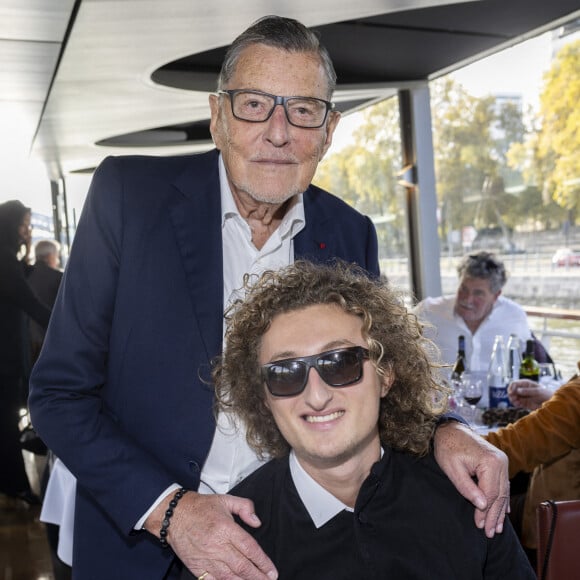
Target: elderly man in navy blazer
[[122, 392]]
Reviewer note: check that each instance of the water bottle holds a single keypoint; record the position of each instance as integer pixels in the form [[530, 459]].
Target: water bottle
[[514, 357], [497, 375]]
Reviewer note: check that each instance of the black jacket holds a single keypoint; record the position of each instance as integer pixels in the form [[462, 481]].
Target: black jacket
[[17, 300]]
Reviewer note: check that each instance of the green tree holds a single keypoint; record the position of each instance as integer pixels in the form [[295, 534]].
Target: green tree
[[469, 138], [549, 156], [364, 173], [558, 144]]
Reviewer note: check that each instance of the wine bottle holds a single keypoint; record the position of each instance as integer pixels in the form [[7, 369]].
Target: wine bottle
[[497, 375], [460, 365], [530, 369]]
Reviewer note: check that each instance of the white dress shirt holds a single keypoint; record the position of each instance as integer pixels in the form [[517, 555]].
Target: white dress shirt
[[506, 317], [230, 458]]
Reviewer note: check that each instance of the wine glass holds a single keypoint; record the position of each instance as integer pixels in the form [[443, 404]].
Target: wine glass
[[545, 374], [472, 393], [455, 397]]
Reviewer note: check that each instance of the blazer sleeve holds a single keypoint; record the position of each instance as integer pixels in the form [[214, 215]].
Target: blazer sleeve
[[66, 394], [544, 435]]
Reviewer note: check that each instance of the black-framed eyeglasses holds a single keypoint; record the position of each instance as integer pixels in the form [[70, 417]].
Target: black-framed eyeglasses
[[257, 107], [340, 367]]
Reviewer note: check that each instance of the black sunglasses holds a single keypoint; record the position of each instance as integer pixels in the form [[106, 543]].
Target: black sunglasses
[[338, 368]]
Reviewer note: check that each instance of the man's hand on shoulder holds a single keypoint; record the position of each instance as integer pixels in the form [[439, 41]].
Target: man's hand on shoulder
[[463, 455], [204, 536]]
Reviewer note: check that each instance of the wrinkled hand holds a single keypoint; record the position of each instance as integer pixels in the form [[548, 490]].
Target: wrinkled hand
[[528, 394], [461, 455], [205, 537]]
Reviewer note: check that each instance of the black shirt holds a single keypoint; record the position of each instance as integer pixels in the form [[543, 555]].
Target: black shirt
[[409, 522]]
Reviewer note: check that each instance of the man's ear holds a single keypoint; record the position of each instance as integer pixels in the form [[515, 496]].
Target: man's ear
[[215, 121], [387, 382], [331, 123]]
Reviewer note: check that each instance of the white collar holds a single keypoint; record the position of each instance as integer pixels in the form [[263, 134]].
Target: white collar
[[320, 504]]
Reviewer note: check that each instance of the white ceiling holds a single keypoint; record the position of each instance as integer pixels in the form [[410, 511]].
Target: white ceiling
[[31, 35], [59, 107]]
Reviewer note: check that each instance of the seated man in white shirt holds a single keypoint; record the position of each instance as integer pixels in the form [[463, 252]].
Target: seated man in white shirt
[[477, 311], [327, 370]]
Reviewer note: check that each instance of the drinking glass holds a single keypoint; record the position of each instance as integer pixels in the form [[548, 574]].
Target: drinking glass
[[546, 374], [472, 392], [455, 398]]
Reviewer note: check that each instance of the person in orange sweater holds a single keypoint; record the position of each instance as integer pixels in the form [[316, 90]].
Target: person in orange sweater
[[547, 443]]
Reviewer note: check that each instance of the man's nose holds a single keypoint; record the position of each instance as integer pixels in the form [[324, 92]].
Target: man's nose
[[466, 296], [317, 393], [277, 130]]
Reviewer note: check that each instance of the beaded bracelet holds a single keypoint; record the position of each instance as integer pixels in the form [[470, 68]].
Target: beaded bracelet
[[168, 513]]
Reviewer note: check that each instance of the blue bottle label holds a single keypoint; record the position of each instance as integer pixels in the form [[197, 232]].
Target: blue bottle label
[[498, 397]]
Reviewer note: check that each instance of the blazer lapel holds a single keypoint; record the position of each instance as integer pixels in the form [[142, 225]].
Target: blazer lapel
[[196, 216], [316, 242]]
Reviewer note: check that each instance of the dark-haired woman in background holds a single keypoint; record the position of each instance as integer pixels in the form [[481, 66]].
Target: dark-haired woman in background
[[17, 301]]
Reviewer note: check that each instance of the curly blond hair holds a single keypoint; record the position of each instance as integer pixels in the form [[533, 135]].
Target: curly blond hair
[[408, 413]]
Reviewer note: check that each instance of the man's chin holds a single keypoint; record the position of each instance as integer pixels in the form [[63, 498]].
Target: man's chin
[[271, 197], [468, 315]]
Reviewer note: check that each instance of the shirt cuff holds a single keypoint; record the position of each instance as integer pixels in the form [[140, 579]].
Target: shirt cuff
[[173, 487]]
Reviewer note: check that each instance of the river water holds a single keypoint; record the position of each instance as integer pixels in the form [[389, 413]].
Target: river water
[[564, 350]]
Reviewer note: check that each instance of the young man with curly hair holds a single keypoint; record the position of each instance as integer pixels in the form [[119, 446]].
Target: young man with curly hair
[[332, 378]]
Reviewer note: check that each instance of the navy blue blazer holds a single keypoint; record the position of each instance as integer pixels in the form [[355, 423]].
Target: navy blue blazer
[[121, 391]]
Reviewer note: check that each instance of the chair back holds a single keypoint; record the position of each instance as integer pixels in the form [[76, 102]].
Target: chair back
[[558, 540], [541, 353]]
